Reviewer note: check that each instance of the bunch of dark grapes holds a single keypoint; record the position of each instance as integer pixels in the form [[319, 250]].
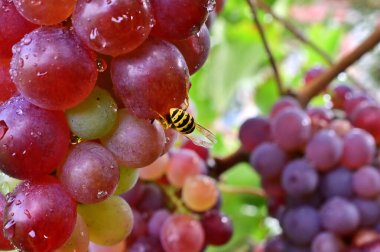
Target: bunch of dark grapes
[[320, 170], [81, 84]]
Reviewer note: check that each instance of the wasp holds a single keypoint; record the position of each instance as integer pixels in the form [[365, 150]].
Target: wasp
[[184, 123]]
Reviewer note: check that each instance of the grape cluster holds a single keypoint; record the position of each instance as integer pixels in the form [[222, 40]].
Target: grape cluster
[[81, 84], [320, 170]]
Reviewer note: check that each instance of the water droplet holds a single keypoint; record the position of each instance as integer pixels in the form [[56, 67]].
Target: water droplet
[[32, 234], [18, 202], [39, 74], [3, 129], [27, 213], [26, 41], [10, 199], [9, 228], [97, 40], [101, 65], [101, 194], [19, 112], [117, 20], [45, 236]]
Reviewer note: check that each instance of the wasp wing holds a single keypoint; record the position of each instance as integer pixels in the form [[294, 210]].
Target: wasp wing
[[202, 137]]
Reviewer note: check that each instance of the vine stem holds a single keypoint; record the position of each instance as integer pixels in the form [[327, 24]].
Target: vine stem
[[220, 165], [316, 86], [280, 86]]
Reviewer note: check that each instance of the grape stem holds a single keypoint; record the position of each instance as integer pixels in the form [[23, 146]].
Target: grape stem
[[252, 5], [220, 165], [303, 39], [178, 205], [307, 92], [257, 192]]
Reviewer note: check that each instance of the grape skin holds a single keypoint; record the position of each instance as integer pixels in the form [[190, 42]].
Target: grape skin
[[366, 182], [7, 87], [78, 240], [254, 132], [337, 183]]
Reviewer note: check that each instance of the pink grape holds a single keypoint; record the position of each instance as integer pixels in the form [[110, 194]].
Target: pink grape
[[46, 53], [113, 27], [254, 132], [182, 233], [353, 100], [327, 242], [36, 141], [156, 221], [155, 170], [47, 12], [366, 182], [166, 86], [183, 164], [367, 116], [339, 95], [39, 227], [283, 103], [90, 173], [135, 142]]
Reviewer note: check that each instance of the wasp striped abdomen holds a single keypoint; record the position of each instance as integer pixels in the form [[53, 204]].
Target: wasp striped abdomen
[[182, 121]]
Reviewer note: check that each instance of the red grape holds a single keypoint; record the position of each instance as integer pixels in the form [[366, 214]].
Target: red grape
[[195, 49], [113, 27], [7, 87], [367, 116], [147, 88], [53, 69], [46, 12], [339, 95], [182, 233], [217, 226], [90, 173], [176, 20], [13, 28], [39, 216], [353, 100], [36, 141]]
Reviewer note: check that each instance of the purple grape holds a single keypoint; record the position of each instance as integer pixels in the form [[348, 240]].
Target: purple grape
[[299, 178], [283, 103], [366, 182], [253, 132], [156, 221], [291, 129], [324, 150], [369, 211], [139, 226], [327, 242], [339, 216], [268, 160], [275, 244], [218, 227], [337, 183], [146, 244], [133, 196], [301, 225], [152, 199], [358, 149]]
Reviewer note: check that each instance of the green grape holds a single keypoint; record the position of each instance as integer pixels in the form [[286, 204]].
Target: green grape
[[128, 179], [109, 221], [7, 183], [94, 117]]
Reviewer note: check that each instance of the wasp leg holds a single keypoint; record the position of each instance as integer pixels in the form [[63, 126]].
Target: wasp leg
[[165, 124], [186, 103]]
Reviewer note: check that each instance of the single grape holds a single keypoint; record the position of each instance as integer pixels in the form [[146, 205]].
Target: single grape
[[146, 243], [327, 242], [90, 173], [95, 117], [46, 53], [152, 198], [275, 244], [268, 160], [340, 126], [324, 150], [39, 227], [182, 233], [291, 129], [16, 27], [183, 164], [254, 132], [7, 87], [155, 170], [48, 12], [195, 49], [217, 227], [283, 103], [367, 116], [301, 225], [313, 74], [36, 142], [366, 182], [369, 212], [337, 183], [5, 244], [189, 16], [339, 216], [200, 192], [135, 142], [113, 27], [78, 241], [128, 179], [320, 117], [353, 100], [109, 222], [166, 85], [134, 196], [156, 221], [358, 149], [339, 95], [299, 178]]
